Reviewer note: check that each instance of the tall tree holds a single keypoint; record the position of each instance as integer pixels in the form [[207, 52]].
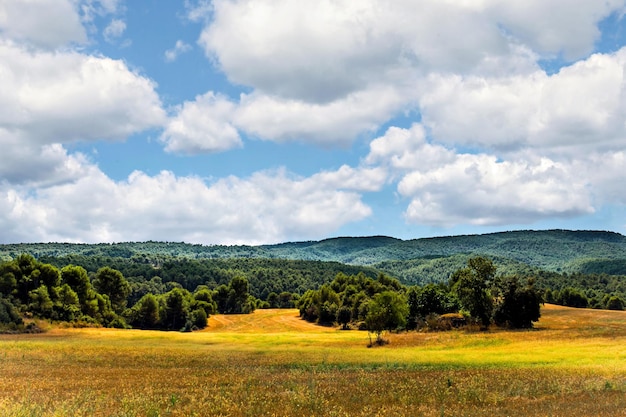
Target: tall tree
[[519, 305], [112, 283], [471, 286]]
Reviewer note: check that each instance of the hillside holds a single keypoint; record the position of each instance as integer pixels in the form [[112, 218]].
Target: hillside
[[552, 250]]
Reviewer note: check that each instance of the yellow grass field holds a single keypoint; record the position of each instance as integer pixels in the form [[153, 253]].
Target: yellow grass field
[[271, 363]]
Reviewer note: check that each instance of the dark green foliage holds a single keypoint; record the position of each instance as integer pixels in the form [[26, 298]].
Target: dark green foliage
[[234, 298], [344, 316], [198, 318], [471, 286], [430, 299], [519, 305], [9, 314], [176, 309], [347, 299], [68, 306], [145, 314], [111, 282], [570, 297], [615, 303]]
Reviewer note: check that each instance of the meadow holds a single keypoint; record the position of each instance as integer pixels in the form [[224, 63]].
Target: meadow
[[271, 363]]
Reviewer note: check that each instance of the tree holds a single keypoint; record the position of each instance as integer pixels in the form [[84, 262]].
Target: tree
[[471, 285], [40, 302], [386, 311], [176, 309], [111, 282], [198, 318], [145, 314], [76, 277], [344, 316], [68, 305], [519, 305], [615, 303], [430, 299]]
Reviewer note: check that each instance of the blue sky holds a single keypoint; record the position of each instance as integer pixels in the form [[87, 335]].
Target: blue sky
[[264, 121]]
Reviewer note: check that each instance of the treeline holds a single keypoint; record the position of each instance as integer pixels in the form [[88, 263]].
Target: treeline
[[149, 273], [164, 292], [474, 292]]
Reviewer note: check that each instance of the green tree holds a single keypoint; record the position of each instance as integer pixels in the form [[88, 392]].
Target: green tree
[[386, 311], [176, 309], [615, 303], [344, 316], [78, 280], [145, 313], [68, 304], [111, 282], [198, 318], [471, 286], [40, 302], [203, 299], [519, 305]]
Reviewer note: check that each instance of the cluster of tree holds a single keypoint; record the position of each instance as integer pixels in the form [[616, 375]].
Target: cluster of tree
[[71, 294], [67, 294], [385, 304], [174, 310]]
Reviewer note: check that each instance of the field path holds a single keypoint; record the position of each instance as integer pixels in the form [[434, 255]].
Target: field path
[[265, 321]]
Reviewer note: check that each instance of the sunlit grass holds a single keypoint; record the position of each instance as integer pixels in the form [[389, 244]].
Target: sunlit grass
[[274, 364]]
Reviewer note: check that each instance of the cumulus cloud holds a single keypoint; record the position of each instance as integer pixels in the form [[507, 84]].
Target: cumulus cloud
[[68, 96], [446, 188], [202, 126], [351, 66], [43, 23], [28, 164], [266, 207], [581, 107], [480, 190], [332, 124]]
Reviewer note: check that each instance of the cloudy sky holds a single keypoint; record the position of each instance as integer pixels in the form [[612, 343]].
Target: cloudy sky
[[263, 121]]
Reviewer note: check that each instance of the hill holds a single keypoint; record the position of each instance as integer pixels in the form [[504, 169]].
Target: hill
[[551, 250]]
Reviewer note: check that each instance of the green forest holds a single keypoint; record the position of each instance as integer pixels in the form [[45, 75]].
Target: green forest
[[483, 279]]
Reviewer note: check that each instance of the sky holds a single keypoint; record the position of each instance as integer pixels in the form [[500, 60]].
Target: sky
[[266, 121]]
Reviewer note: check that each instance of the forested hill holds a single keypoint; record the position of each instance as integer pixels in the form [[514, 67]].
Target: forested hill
[[553, 250]]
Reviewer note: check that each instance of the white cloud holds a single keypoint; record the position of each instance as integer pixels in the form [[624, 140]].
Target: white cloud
[[43, 23], [446, 188], [114, 30], [266, 207], [180, 48], [202, 126], [331, 124], [555, 27], [581, 108], [67, 96], [317, 69], [480, 190], [28, 164]]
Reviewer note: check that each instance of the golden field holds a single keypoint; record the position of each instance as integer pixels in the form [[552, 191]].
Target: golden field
[[271, 363]]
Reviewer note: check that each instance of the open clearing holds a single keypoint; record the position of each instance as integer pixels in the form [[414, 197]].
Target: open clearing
[[271, 363]]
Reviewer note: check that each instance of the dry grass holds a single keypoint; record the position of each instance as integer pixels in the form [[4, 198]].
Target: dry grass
[[272, 363]]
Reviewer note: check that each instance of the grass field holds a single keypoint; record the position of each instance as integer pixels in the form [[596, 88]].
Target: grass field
[[271, 363]]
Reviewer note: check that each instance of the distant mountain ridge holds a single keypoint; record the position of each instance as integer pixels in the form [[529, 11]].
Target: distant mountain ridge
[[552, 250]]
